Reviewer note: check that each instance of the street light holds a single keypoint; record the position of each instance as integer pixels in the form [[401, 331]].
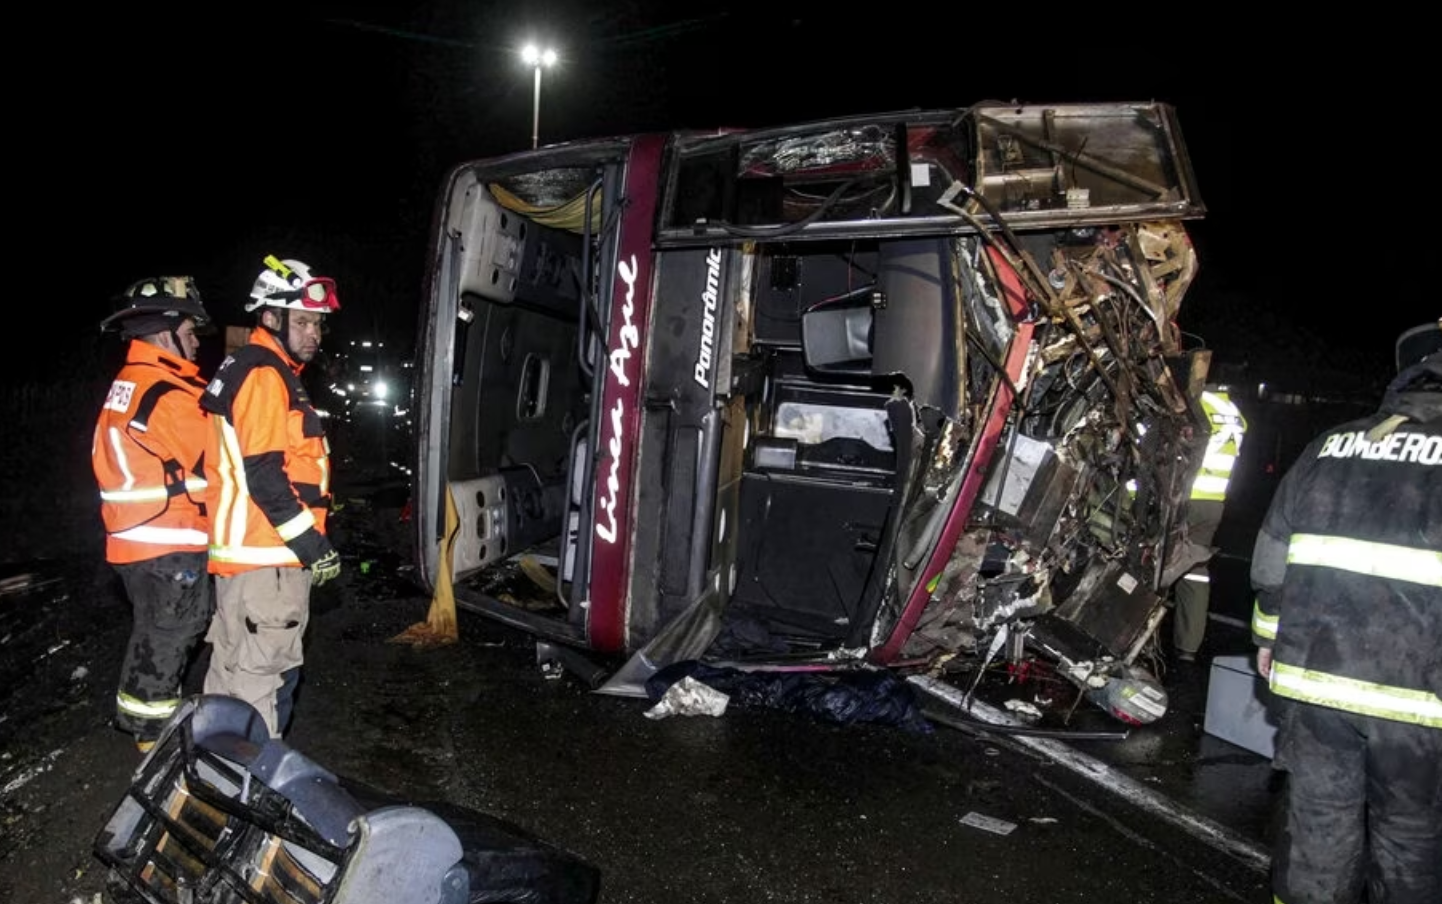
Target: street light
[[538, 58]]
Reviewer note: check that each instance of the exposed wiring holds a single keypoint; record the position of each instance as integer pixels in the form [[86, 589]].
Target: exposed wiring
[[764, 232]]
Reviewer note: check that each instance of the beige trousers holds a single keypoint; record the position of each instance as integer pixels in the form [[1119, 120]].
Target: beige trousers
[[260, 619]]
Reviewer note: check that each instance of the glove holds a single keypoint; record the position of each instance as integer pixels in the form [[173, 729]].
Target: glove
[[316, 553], [326, 568]]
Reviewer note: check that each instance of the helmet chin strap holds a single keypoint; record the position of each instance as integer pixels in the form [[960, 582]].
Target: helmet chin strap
[[176, 348], [179, 346], [282, 335]]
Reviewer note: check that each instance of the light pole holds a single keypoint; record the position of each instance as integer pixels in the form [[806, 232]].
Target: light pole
[[537, 58]]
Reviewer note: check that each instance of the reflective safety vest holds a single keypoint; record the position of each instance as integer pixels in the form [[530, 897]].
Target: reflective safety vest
[[1223, 446], [147, 454], [267, 461]]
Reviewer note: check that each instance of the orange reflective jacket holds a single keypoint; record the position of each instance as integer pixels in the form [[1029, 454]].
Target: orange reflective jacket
[[267, 461], [147, 455]]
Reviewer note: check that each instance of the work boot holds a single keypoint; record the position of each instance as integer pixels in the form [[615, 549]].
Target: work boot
[[144, 746], [1184, 671]]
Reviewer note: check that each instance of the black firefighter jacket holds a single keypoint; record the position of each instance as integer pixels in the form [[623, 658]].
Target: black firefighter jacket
[[1348, 566]]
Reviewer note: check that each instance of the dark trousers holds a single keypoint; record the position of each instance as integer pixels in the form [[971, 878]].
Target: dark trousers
[[171, 604], [1193, 593], [1364, 809]]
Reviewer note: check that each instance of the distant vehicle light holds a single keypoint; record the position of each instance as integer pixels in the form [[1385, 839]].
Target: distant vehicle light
[[379, 389]]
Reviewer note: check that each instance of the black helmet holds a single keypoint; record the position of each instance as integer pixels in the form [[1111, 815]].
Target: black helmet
[[156, 303], [1416, 344]]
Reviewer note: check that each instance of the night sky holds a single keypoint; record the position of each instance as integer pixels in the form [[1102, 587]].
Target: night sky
[[198, 142]]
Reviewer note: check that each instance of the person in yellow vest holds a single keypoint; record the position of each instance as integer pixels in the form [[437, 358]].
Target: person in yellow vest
[[1204, 513]]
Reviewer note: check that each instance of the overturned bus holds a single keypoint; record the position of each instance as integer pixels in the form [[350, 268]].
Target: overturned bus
[[898, 390]]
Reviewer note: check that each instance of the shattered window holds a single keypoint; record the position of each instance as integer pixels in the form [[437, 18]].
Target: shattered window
[[1056, 165], [845, 173], [813, 424], [841, 152]]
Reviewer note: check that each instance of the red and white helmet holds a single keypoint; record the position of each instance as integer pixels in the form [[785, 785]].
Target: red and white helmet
[[290, 284]]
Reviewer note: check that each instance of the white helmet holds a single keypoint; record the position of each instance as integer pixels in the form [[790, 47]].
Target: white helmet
[[289, 284]]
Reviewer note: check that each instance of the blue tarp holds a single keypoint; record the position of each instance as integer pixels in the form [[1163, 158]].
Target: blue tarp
[[841, 697]]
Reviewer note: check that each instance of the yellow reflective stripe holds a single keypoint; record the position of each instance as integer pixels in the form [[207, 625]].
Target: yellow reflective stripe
[[150, 494], [1219, 462], [1362, 697], [164, 536], [1263, 625], [1216, 403], [143, 709], [117, 445], [1207, 486], [229, 517], [297, 525], [254, 555], [1382, 560]]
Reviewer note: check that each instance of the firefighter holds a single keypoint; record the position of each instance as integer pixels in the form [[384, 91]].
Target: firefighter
[[147, 456], [1348, 620], [1192, 594], [268, 469]]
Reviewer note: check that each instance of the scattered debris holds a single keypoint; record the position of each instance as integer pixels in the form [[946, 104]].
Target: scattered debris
[[689, 697], [1024, 709], [25, 777], [988, 823], [17, 583], [56, 648], [538, 573], [24, 583]]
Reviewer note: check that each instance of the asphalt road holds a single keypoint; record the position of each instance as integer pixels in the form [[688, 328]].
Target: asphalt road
[[754, 805]]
